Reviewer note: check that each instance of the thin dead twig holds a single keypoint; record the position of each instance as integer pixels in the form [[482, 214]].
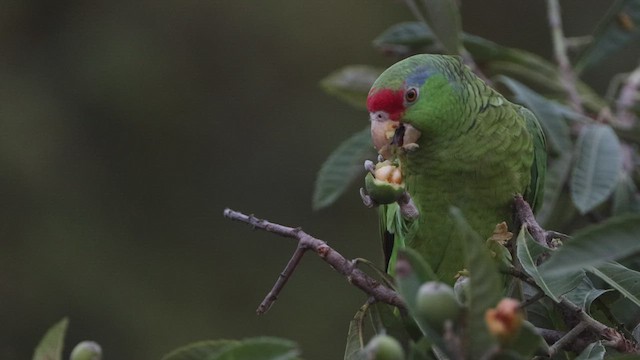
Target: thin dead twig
[[306, 242]]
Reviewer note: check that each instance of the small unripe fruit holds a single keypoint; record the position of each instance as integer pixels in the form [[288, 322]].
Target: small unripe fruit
[[86, 350], [384, 347], [382, 191], [436, 303]]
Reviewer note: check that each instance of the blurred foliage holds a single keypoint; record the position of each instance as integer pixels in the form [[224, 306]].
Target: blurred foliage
[[128, 126]]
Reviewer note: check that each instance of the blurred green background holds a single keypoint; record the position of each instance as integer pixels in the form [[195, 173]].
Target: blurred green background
[[126, 127]]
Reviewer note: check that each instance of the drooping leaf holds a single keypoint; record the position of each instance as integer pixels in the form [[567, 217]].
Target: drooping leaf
[[485, 286], [556, 177], [584, 294], [351, 83], [443, 16], [199, 350], [553, 285], [549, 113], [409, 35], [355, 337], [625, 280], [51, 344], [619, 27], [595, 245], [342, 167], [598, 162], [593, 351], [626, 198], [259, 348]]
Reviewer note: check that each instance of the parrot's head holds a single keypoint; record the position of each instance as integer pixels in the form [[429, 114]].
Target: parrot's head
[[413, 97]]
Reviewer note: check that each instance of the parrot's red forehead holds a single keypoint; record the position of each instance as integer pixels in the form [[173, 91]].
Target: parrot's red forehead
[[387, 100]]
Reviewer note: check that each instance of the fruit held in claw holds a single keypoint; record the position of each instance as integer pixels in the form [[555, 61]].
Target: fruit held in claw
[[385, 185], [436, 303]]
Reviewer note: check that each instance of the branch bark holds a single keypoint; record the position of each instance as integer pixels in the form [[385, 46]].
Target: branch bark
[[306, 242], [567, 76]]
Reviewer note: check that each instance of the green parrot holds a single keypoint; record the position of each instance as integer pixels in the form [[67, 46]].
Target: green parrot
[[456, 142]]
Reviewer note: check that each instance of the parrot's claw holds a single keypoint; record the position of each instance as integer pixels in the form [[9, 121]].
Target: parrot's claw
[[408, 209], [367, 200], [369, 166], [410, 147]]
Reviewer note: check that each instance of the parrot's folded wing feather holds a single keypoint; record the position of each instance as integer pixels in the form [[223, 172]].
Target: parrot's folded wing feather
[[535, 190]]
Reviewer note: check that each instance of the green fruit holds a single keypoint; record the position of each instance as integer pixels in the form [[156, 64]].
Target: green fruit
[[381, 191], [86, 350], [436, 302], [384, 347]]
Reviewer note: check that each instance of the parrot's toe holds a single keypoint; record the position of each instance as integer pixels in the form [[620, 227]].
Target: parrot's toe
[[367, 200], [369, 166]]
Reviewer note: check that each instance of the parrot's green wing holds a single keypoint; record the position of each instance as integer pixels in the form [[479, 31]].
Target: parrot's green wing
[[535, 190]]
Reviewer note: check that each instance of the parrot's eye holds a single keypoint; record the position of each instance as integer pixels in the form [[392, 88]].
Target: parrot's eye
[[411, 95]]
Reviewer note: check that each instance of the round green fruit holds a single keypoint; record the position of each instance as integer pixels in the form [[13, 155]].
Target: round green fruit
[[86, 350], [384, 347], [381, 191], [436, 303]]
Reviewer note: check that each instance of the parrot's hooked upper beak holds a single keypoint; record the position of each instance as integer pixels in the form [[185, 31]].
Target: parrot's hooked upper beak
[[388, 133]]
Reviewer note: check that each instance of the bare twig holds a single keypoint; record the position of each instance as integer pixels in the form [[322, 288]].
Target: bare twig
[[552, 337], [307, 242], [567, 338], [613, 338], [567, 77]]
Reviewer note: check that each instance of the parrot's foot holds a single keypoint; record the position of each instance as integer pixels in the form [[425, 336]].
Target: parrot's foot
[[410, 147], [408, 209], [367, 200], [370, 166], [554, 238]]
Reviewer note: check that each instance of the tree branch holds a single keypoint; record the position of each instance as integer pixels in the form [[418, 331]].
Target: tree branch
[[567, 77], [306, 242]]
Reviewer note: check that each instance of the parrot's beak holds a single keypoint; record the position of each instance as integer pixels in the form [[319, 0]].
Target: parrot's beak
[[387, 134]]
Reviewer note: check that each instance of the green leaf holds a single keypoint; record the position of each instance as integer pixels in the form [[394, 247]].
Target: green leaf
[[199, 350], [553, 285], [342, 167], [550, 114], [619, 27], [50, 347], [351, 83], [625, 280], [443, 17], [625, 197], [355, 337], [597, 166], [612, 239], [260, 348], [584, 294], [594, 351], [557, 173], [410, 35], [485, 286]]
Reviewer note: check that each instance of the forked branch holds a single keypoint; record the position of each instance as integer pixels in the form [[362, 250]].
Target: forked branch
[[345, 267]]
